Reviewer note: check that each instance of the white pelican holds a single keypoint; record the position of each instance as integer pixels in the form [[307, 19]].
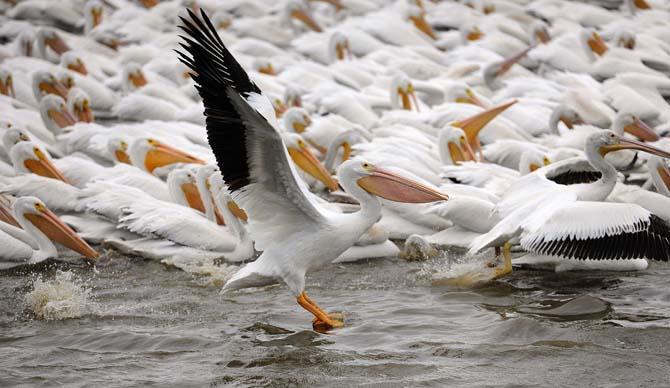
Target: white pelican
[[570, 222], [33, 242], [290, 229]]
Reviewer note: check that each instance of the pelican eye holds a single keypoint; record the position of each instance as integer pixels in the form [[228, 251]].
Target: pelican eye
[[301, 144], [39, 207]]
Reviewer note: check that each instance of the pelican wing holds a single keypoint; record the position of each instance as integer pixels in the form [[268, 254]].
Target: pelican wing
[[598, 231], [250, 152]]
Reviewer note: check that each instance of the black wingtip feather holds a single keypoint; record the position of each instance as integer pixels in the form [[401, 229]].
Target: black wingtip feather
[[215, 70]]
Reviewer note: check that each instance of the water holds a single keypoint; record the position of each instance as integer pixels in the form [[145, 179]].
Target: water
[[137, 322]]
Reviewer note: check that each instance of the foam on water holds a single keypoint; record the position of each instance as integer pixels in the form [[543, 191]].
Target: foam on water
[[62, 296]]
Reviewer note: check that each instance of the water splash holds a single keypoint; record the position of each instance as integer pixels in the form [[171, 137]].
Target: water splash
[[212, 273], [63, 296]]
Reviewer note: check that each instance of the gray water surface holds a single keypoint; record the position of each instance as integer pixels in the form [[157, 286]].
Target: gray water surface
[[147, 324]]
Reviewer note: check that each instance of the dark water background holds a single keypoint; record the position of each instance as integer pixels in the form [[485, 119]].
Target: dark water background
[[146, 324]]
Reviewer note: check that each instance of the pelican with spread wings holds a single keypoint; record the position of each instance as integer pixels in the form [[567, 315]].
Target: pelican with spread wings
[[293, 231]]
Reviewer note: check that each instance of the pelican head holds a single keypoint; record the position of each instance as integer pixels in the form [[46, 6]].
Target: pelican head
[[118, 148], [27, 157], [13, 136], [34, 216], [417, 16], [357, 174], [79, 104], [183, 189], [72, 61], [470, 33], [48, 38], [532, 160], [592, 43], [630, 123], [133, 77], [26, 40], [306, 161], [660, 174], [6, 83], [566, 115], [292, 97], [462, 93], [46, 83], [92, 15], [298, 10], [66, 78], [539, 33], [625, 38], [263, 65], [402, 93], [453, 146], [345, 140], [222, 20], [55, 114], [495, 70], [296, 120], [150, 154], [338, 47], [222, 196], [607, 141]]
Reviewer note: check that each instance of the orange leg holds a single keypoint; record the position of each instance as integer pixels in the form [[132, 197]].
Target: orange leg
[[320, 316]]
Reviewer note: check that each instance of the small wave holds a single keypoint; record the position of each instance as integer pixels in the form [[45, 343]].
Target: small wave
[[213, 273], [63, 296]]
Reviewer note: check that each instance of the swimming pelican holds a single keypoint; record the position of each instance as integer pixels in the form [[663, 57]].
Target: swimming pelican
[[289, 228], [33, 242], [570, 222]]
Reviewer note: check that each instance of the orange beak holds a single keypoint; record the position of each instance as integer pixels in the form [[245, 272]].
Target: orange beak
[[627, 144], [237, 211], [664, 174], [471, 98], [162, 155], [6, 214], [641, 130], [396, 188], [78, 66], [597, 44], [306, 19], [57, 231], [54, 88], [138, 79], [641, 4], [267, 69], [511, 61], [423, 26], [7, 87], [43, 166], [57, 44], [543, 36], [84, 112], [192, 195], [149, 3], [473, 125], [62, 117], [461, 152], [307, 162], [122, 156], [474, 34]]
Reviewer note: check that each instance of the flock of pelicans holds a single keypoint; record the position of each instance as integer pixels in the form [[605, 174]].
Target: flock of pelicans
[[331, 128]]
